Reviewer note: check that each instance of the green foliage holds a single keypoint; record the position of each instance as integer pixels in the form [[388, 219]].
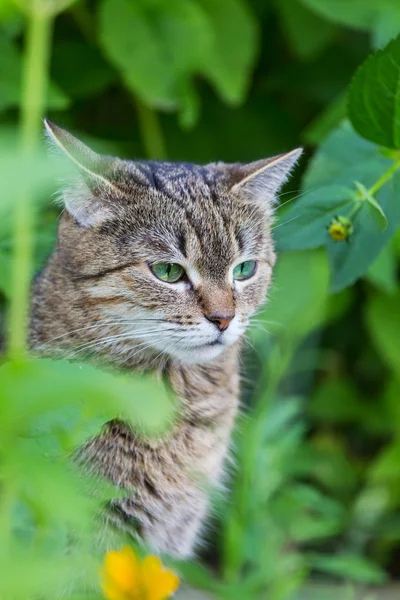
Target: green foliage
[[174, 41], [380, 18], [374, 100], [316, 487], [343, 160], [353, 13]]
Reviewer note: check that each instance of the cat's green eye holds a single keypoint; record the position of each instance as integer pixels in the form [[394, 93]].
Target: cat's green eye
[[245, 270], [169, 272]]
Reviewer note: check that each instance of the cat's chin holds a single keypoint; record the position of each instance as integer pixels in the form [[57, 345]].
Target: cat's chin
[[198, 354]]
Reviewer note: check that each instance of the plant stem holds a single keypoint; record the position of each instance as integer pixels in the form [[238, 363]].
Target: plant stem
[[34, 85], [151, 132], [385, 177]]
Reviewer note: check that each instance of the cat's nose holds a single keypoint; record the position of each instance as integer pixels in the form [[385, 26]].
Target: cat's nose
[[221, 321]]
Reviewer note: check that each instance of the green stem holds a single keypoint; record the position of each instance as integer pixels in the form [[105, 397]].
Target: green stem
[[151, 132], [356, 208], [385, 177], [34, 86]]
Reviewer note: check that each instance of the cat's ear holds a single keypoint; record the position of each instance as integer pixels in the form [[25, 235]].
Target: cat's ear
[[260, 181], [88, 202]]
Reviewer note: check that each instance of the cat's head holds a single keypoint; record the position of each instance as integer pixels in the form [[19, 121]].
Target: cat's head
[[176, 257]]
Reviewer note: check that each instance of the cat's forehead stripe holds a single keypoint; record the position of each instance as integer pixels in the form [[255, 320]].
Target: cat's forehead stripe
[[193, 189], [180, 211]]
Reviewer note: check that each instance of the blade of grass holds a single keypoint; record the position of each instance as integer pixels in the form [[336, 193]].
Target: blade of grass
[[35, 80]]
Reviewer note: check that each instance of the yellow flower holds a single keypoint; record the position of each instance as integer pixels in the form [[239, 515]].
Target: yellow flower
[[125, 577], [340, 229]]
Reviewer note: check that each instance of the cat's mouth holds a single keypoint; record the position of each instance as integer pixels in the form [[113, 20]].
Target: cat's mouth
[[217, 342]]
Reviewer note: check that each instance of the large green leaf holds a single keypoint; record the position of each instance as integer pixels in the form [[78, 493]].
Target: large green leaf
[[381, 17], [159, 46], [348, 566], [131, 43], [374, 97], [85, 396], [305, 225], [387, 27], [360, 14], [383, 320], [234, 48], [351, 260], [343, 159]]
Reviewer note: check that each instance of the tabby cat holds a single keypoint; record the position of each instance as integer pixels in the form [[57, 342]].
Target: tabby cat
[[159, 266]]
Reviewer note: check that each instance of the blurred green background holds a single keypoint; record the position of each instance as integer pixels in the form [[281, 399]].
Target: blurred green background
[[315, 493]]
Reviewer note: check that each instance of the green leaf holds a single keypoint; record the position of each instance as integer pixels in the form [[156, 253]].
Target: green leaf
[[374, 97], [230, 65], [359, 14], [157, 47], [305, 225], [130, 41], [381, 17], [307, 34], [387, 27], [366, 195], [350, 260], [383, 320], [343, 158], [89, 393], [348, 566], [385, 468]]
